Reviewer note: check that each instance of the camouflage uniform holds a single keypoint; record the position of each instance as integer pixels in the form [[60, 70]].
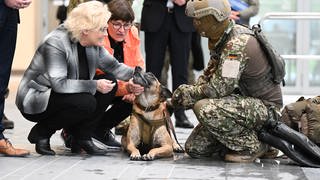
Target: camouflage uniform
[[226, 118]]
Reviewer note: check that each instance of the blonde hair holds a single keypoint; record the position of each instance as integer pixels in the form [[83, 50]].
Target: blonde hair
[[87, 16]]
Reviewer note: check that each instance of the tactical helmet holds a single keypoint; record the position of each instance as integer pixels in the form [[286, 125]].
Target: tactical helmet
[[220, 9]]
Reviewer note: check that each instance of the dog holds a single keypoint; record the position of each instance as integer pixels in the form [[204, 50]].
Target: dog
[[150, 132]]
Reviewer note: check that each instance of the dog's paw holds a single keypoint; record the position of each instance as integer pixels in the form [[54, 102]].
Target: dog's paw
[[148, 157], [135, 157], [178, 149]]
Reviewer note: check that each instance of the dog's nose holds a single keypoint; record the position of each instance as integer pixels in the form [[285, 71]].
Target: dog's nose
[[137, 69]]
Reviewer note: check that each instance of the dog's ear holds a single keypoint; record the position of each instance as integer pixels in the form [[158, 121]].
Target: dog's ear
[[165, 93]]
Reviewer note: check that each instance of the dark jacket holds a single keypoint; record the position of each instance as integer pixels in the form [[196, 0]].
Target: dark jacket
[[5, 11], [154, 12]]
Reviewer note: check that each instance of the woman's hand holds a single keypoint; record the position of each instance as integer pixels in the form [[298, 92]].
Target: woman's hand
[[235, 15], [129, 98], [179, 2], [136, 89], [104, 86], [17, 4]]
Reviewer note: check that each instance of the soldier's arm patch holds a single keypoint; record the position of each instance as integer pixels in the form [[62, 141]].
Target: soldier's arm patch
[[230, 69]]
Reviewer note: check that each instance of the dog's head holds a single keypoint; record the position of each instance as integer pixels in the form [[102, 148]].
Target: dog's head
[[154, 92]]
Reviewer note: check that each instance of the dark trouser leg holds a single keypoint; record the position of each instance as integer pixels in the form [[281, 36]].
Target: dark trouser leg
[[113, 116], [8, 36], [76, 112]]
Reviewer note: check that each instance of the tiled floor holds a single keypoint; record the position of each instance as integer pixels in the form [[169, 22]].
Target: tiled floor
[[116, 164]]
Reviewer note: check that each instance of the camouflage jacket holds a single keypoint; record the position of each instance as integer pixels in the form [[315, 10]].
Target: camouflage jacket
[[242, 64]]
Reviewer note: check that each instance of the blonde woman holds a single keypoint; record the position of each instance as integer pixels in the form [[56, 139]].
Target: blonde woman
[[59, 88]]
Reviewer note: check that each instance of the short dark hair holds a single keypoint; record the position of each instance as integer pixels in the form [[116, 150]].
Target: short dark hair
[[121, 10]]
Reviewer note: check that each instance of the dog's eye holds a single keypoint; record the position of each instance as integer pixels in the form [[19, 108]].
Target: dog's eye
[[151, 76]]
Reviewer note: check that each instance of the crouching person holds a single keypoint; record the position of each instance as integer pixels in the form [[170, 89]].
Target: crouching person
[[59, 88], [231, 98]]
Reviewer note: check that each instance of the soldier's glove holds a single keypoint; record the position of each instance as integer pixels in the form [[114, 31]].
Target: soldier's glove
[[182, 97]]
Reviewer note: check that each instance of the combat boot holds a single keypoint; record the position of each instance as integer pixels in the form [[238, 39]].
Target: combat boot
[[245, 156]]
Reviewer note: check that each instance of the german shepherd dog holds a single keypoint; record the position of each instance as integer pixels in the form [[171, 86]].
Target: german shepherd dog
[[150, 132]]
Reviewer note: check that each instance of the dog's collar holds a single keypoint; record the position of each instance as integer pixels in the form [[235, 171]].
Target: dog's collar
[[149, 108]]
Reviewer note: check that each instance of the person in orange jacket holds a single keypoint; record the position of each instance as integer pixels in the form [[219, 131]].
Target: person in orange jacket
[[123, 43]]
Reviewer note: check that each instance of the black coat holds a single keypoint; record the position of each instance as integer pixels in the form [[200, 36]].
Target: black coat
[[154, 12], [5, 11]]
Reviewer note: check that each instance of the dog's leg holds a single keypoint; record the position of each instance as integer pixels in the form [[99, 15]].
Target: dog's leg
[[133, 139], [161, 138]]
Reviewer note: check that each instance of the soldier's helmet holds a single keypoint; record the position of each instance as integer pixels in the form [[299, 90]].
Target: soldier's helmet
[[220, 9]]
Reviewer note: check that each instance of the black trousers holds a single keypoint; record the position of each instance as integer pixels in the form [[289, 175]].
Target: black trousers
[[78, 113], [114, 115], [178, 43], [8, 36]]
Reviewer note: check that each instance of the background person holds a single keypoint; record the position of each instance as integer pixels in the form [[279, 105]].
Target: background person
[[231, 99], [165, 25], [59, 89], [243, 16], [9, 19], [123, 43]]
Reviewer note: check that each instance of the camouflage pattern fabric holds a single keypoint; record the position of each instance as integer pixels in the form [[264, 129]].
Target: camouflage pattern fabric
[[226, 119], [214, 85], [201, 143], [231, 120]]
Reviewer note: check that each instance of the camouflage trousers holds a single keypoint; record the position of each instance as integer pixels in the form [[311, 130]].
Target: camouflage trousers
[[230, 122]]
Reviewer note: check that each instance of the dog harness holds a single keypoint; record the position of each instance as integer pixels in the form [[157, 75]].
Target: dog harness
[[148, 127]]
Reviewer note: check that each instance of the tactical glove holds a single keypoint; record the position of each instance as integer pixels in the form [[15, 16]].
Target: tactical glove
[[182, 97]]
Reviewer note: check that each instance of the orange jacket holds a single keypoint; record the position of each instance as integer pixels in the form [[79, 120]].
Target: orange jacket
[[131, 55]]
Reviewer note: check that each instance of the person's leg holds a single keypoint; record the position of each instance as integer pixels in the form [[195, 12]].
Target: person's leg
[[112, 117], [179, 48], [155, 48], [115, 114], [233, 121], [197, 52], [202, 144], [164, 73], [8, 36], [6, 123], [64, 110]]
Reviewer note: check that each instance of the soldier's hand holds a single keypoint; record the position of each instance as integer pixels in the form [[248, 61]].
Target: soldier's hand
[[181, 96]]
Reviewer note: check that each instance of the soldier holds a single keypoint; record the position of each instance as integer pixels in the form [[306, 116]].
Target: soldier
[[232, 97]]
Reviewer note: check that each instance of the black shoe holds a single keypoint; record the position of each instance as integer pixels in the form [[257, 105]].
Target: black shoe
[[88, 146], [6, 123], [66, 138], [107, 138], [43, 147], [182, 120]]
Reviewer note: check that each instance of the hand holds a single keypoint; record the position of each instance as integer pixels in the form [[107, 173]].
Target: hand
[[104, 86], [136, 89], [181, 96], [129, 98], [179, 2], [17, 4], [235, 15]]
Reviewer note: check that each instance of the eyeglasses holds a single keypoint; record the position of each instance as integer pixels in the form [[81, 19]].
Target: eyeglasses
[[103, 29], [117, 25]]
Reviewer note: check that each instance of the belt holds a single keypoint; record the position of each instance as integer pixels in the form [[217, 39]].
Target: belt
[[170, 10]]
